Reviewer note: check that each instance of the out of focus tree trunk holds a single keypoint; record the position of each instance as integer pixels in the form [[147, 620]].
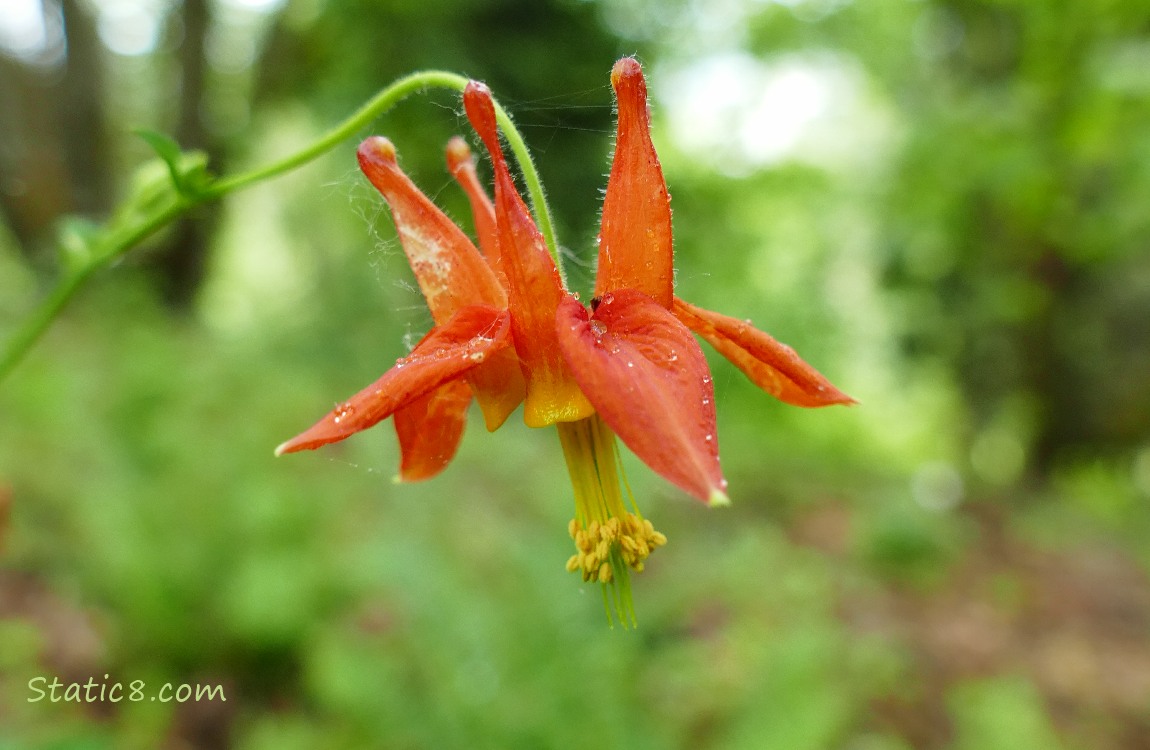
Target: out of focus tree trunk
[[182, 260], [54, 155]]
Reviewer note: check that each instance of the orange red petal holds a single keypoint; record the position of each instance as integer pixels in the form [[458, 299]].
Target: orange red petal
[[773, 366], [648, 379], [635, 249], [429, 430], [534, 287], [447, 353]]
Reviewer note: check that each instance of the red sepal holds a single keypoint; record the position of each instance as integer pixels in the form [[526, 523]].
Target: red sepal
[[448, 352], [645, 374], [450, 271], [635, 249], [429, 430], [772, 366]]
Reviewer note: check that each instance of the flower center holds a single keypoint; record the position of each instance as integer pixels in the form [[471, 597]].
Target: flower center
[[610, 540]]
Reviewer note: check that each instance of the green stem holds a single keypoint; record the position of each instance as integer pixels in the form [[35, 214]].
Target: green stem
[[41, 318], [119, 242]]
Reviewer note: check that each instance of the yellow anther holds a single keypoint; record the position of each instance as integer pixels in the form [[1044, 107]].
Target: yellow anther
[[572, 527], [581, 540], [657, 539], [605, 574], [573, 563], [590, 562]]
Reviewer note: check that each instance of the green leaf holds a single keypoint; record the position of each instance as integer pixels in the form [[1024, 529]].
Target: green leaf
[[167, 149], [188, 170]]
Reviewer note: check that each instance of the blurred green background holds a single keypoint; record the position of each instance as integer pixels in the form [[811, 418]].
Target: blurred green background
[[944, 205]]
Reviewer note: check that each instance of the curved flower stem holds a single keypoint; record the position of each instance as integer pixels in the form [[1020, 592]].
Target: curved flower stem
[[114, 242]]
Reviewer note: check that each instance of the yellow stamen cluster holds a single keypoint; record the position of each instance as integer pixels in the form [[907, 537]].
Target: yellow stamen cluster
[[628, 540], [610, 539]]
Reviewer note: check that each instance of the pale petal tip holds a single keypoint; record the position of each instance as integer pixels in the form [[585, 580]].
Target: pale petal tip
[[718, 499], [625, 69], [282, 448], [838, 398], [458, 153], [376, 148]]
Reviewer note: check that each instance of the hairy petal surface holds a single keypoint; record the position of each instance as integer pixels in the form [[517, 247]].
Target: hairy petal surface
[[773, 366], [450, 271], [648, 379], [534, 287], [429, 430], [635, 250], [446, 353]]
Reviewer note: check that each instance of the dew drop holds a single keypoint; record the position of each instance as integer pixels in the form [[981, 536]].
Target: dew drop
[[342, 412]]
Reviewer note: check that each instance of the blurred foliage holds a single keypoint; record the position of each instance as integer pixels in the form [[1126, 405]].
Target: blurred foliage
[[958, 238]]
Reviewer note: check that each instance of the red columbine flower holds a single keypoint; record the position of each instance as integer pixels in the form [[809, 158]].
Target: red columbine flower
[[629, 366]]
